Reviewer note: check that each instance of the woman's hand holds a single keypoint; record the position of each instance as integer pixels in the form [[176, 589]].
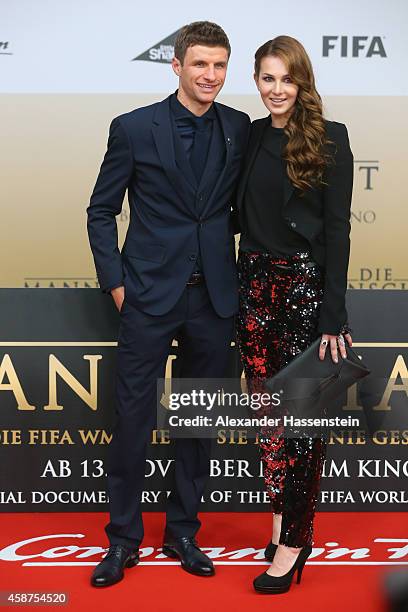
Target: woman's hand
[[334, 343]]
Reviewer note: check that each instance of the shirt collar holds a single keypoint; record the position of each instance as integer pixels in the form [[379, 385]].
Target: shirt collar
[[181, 112]]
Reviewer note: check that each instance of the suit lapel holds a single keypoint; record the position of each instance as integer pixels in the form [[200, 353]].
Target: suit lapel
[[162, 131], [228, 144], [288, 190]]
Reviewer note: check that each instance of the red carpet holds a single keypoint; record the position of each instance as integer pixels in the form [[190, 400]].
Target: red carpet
[[334, 579]]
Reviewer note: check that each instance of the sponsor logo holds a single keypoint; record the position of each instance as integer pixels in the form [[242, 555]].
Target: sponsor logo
[[4, 48], [160, 53], [60, 282], [353, 46], [379, 551]]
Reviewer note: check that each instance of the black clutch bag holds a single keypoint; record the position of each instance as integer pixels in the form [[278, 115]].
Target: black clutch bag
[[307, 384]]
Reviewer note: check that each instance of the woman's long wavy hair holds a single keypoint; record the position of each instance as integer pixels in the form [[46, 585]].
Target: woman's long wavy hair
[[305, 153]]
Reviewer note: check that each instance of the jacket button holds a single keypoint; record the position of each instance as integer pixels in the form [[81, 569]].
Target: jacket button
[[192, 257], [293, 224]]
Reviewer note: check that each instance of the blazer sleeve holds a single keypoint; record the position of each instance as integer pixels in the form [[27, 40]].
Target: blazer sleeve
[[336, 209], [105, 203]]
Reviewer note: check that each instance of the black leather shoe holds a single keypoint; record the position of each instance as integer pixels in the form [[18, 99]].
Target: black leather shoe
[[192, 559], [281, 584], [270, 551], [110, 569]]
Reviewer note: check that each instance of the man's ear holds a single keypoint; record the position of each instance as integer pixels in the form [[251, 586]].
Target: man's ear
[[176, 65]]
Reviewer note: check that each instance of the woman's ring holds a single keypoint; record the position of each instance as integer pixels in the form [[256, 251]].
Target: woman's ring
[[323, 342]]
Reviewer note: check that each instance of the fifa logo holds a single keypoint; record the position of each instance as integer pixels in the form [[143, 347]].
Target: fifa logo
[[354, 46]]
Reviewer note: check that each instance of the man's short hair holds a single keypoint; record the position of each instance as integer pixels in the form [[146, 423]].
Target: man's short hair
[[203, 33]]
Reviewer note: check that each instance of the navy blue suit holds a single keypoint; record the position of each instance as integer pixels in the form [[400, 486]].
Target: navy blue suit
[[169, 216], [174, 222]]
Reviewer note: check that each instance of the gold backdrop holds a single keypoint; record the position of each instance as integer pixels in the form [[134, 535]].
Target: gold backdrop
[[52, 146]]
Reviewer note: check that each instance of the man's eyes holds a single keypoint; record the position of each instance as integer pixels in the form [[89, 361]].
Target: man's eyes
[[201, 64]]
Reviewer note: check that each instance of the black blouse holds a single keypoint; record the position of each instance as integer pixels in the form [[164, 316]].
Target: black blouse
[[265, 229]]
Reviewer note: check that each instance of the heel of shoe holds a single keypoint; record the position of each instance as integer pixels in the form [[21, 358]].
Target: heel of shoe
[[169, 552], [305, 552], [299, 572], [132, 562]]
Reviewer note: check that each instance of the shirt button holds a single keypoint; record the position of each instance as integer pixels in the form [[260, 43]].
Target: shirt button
[[192, 257]]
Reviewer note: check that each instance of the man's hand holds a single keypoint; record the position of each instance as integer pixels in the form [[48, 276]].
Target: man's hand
[[118, 295]]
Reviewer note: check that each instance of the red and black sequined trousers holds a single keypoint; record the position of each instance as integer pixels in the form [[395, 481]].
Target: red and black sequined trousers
[[280, 299]]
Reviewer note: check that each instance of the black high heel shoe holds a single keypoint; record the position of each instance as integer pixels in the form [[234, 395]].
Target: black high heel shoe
[[280, 584], [270, 551]]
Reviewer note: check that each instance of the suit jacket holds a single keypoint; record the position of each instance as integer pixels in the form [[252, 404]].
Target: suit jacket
[[322, 216], [172, 219]]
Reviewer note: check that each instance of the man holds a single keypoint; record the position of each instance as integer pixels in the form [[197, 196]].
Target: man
[[179, 159]]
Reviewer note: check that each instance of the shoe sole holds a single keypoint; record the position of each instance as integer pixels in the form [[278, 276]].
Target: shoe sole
[[170, 552], [266, 591]]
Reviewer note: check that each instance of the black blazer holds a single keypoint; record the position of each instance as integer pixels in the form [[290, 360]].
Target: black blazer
[[322, 216], [172, 219]]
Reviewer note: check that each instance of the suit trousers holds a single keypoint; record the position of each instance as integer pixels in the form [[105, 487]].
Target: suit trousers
[[144, 343]]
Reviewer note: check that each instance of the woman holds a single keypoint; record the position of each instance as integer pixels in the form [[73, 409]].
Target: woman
[[294, 207]]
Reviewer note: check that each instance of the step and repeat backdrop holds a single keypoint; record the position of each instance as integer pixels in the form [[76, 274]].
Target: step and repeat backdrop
[[57, 361], [67, 69]]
